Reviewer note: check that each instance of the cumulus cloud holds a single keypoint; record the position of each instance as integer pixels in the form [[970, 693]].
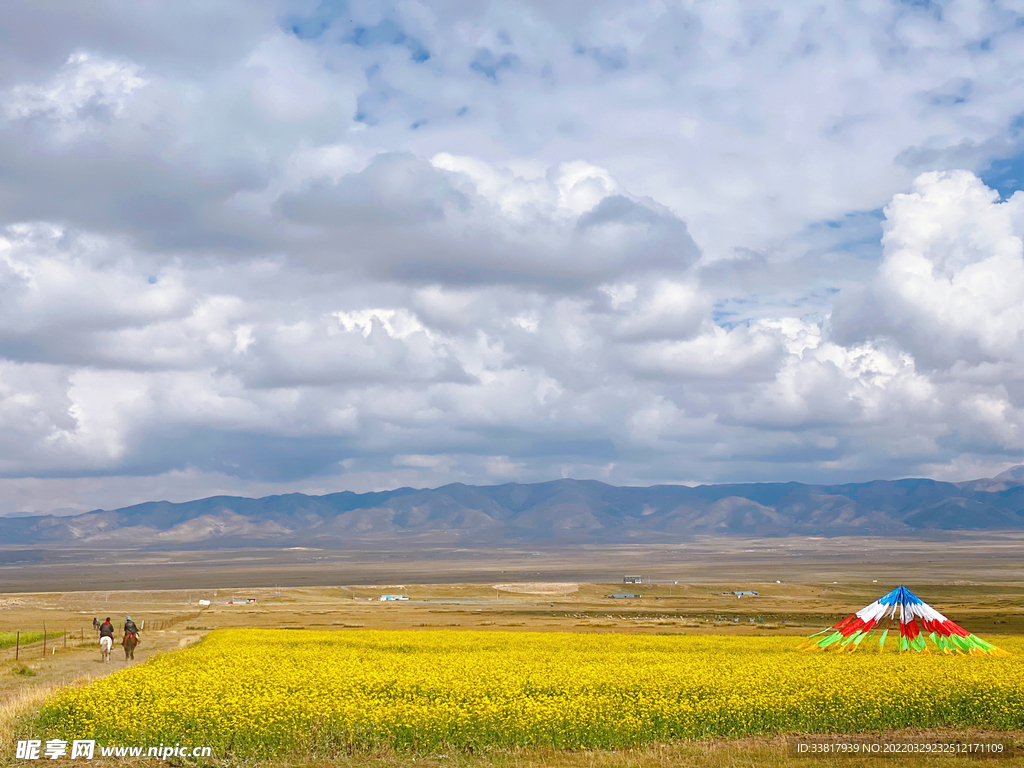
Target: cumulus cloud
[[403, 218], [951, 284], [414, 244], [85, 88]]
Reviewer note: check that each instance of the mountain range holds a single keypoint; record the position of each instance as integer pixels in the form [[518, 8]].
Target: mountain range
[[561, 511]]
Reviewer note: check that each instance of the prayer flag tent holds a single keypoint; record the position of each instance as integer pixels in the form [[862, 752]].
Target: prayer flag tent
[[908, 609]]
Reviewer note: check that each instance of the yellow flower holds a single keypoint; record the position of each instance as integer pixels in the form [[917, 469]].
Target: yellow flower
[[268, 692]]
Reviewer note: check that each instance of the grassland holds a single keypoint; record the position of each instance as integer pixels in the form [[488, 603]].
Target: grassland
[[804, 585], [981, 558], [10, 639]]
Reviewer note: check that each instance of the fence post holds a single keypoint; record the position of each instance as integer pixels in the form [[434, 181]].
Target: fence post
[[44, 639], [65, 637], [17, 645]]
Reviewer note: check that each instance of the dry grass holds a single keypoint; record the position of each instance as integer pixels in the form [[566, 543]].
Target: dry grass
[[539, 588], [751, 752], [17, 708], [942, 556]]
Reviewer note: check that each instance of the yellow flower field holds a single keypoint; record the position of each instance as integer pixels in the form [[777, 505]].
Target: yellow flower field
[[267, 692]]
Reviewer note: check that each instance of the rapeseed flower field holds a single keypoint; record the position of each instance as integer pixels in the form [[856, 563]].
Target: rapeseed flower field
[[270, 692]]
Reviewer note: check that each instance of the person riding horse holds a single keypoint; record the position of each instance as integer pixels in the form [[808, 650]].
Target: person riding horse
[[131, 638], [130, 628], [106, 638]]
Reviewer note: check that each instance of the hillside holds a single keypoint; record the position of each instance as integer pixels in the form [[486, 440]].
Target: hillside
[[562, 511]]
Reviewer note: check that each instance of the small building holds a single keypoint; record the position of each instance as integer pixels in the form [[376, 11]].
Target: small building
[[392, 598], [745, 593], [632, 580], [620, 597]]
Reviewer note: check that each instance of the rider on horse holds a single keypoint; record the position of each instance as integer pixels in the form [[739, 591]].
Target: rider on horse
[[131, 638], [106, 638]]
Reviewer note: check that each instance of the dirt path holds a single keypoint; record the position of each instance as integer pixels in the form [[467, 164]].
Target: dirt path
[[76, 661], [27, 682]]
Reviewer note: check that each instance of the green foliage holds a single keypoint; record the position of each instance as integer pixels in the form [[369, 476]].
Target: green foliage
[[8, 639], [22, 671]]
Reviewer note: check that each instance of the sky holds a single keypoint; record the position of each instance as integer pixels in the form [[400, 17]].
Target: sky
[[266, 247]]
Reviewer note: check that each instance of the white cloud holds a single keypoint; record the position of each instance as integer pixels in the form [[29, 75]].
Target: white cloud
[[668, 310], [581, 186], [502, 467], [456, 246], [86, 82], [951, 285], [441, 463], [516, 196], [288, 84], [397, 323]]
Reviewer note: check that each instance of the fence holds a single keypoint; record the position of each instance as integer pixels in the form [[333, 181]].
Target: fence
[[23, 644], [28, 644], [158, 624]]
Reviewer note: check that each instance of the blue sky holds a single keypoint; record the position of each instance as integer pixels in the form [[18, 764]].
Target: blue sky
[[263, 247]]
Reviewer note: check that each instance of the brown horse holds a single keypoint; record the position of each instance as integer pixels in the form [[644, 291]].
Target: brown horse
[[130, 642]]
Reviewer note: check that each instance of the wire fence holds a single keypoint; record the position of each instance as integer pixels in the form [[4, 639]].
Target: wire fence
[[20, 644], [33, 643]]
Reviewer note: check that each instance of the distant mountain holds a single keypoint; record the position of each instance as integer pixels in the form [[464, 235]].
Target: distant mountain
[[1013, 473], [563, 511]]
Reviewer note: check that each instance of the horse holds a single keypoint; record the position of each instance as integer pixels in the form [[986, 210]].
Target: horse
[[130, 642], [106, 643]]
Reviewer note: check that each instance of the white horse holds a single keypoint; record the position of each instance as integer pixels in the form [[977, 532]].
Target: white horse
[[106, 643]]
